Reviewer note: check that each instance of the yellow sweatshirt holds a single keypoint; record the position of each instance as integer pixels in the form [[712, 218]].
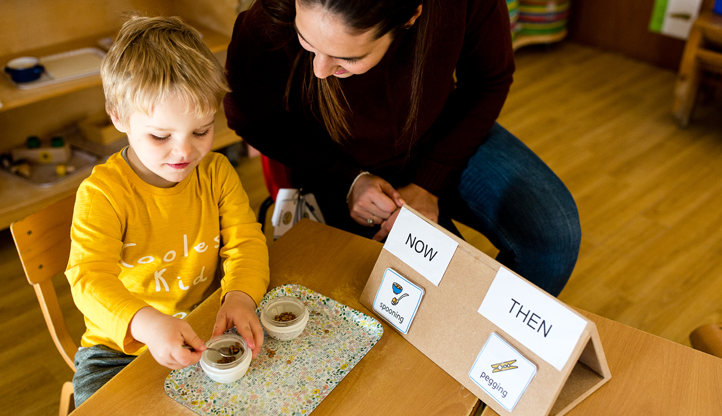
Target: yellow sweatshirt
[[136, 245]]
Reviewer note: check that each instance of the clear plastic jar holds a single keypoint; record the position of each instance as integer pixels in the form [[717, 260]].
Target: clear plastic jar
[[226, 372], [286, 330]]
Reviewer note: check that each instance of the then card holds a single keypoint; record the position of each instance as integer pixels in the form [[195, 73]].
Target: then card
[[397, 300], [502, 372]]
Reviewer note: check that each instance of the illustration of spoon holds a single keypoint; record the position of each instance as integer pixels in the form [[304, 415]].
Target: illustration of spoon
[[395, 301]]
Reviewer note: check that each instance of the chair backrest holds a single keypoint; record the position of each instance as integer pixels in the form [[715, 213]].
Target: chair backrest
[[43, 243], [709, 5], [274, 173]]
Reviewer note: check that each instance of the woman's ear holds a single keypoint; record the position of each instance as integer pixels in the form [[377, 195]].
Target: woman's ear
[[416, 15], [116, 122]]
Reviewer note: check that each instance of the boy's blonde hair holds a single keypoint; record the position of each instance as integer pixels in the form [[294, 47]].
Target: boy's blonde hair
[[154, 58]]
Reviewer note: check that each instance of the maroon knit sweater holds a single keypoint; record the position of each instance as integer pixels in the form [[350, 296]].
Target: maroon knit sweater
[[471, 36]]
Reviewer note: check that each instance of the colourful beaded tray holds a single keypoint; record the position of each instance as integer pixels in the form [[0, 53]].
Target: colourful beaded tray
[[290, 377]]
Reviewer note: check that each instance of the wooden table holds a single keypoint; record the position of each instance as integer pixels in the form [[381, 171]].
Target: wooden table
[[394, 378], [650, 375]]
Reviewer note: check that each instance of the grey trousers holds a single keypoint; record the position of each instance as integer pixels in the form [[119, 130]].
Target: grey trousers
[[95, 366]]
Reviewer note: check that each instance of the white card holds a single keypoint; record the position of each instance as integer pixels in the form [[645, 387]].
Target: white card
[[287, 211], [397, 300], [421, 246], [502, 372], [538, 322]]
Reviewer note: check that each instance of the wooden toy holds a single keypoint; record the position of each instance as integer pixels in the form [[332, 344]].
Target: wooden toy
[[36, 152]]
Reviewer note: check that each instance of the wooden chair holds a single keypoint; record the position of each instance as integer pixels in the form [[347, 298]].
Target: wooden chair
[[43, 243], [708, 338], [701, 53]]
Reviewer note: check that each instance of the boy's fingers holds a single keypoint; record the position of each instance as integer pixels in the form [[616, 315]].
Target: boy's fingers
[[247, 334], [195, 341], [221, 325], [258, 337], [183, 357]]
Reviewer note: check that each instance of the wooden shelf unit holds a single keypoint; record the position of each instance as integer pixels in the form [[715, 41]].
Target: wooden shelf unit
[[18, 198], [13, 97]]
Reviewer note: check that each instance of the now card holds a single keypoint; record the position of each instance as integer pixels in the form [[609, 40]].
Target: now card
[[397, 300], [502, 372], [420, 245]]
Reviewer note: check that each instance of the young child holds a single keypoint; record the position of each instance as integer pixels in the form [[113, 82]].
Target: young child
[[149, 224]]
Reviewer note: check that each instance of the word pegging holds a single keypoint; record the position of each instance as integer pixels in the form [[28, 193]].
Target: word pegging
[[493, 384]]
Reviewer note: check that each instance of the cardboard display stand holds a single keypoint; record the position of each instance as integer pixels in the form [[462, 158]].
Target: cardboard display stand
[[450, 330]]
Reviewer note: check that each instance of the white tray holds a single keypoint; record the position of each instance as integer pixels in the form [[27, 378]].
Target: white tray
[[65, 66], [44, 175]]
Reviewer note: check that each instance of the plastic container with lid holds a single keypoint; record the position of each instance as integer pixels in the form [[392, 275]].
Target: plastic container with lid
[[227, 372], [286, 330]]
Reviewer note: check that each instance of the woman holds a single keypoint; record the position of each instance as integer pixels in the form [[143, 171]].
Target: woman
[[358, 100]]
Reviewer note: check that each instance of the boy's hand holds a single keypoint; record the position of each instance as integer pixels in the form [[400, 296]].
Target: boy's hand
[[239, 310], [165, 336]]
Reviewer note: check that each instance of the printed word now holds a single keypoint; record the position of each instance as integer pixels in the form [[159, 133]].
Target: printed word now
[[420, 247]]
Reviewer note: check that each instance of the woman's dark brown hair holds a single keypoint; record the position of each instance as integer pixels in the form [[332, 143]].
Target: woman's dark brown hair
[[384, 16]]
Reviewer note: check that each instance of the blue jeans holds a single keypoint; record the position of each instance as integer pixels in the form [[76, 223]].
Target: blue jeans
[[512, 197], [508, 194]]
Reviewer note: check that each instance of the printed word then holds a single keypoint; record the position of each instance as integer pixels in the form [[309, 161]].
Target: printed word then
[[493, 384], [421, 247], [393, 313], [530, 318]]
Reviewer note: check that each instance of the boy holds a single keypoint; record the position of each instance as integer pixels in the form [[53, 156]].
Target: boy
[[150, 223]]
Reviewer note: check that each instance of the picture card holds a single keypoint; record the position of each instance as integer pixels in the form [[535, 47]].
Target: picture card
[[502, 372], [420, 245], [397, 300]]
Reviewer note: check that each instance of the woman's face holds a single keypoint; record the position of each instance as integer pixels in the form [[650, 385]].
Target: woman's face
[[338, 50]]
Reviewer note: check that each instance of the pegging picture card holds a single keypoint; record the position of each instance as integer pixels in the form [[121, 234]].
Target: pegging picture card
[[517, 348]]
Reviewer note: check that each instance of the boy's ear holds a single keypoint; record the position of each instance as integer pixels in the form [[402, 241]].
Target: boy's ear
[[116, 122]]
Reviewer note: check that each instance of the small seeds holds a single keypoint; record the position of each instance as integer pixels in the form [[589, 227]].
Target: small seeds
[[235, 349], [285, 317], [226, 360]]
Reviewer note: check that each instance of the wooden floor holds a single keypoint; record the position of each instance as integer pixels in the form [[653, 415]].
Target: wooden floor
[[649, 196]]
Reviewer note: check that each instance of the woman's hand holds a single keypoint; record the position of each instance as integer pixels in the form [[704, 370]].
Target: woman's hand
[[239, 310], [372, 198], [418, 198]]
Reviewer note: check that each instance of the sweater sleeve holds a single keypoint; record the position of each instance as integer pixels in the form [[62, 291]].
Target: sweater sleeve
[[258, 75], [484, 72], [93, 268], [243, 245]]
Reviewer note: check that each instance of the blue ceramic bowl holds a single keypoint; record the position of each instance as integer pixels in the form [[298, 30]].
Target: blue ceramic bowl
[[24, 69], [397, 288]]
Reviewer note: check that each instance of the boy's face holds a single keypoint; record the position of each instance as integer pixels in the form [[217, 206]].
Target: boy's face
[[167, 146]]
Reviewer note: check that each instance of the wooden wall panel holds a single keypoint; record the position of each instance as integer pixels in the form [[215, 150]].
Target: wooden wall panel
[[33, 24], [621, 26]]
